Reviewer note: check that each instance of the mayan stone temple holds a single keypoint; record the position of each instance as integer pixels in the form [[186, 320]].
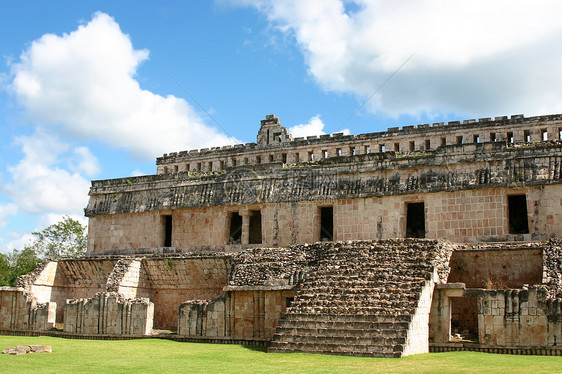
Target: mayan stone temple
[[434, 237]]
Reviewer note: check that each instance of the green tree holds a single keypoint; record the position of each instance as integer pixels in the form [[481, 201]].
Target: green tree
[[5, 269], [22, 262], [67, 238]]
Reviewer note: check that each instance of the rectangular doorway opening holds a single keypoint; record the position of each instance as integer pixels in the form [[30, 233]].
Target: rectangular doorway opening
[[235, 236], [464, 319], [289, 301], [255, 227], [167, 223], [327, 224], [415, 220], [517, 212]]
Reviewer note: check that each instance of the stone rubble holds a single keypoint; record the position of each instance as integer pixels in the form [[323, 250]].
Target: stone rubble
[[362, 298], [24, 349], [552, 267]]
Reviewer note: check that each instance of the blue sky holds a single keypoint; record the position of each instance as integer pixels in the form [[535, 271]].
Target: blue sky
[[98, 89]]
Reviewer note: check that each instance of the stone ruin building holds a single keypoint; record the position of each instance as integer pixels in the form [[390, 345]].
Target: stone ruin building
[[422, 238]]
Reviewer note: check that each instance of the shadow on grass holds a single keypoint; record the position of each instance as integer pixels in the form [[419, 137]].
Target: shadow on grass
[[257, 348]]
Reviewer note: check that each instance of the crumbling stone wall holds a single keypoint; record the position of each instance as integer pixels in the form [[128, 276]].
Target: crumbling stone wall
[[465, 167], [124, 278], [491, 266], [352, 297], [168, 282], [460, 216], [20, 311], [501, 265], [275, 144], [465, 189], [108, 313], [240, 314], [40, 281], [418, 330], [440, 315], [552, 267], [70, 279], [523, 317], [256, 313], [365, 298], [260, 282], [206, 318]]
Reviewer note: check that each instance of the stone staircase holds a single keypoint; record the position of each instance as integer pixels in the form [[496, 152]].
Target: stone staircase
[[365, 299]]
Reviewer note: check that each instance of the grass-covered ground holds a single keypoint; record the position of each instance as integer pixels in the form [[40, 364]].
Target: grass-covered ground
[[151, 355]]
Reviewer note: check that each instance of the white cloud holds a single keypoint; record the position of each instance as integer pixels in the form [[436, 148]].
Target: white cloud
[[39, 184], [86, 162], [11, 240], [52, 218], [315, 126], [15, 241], [84, 82], [474, 56], [137, 173], [6, 211]]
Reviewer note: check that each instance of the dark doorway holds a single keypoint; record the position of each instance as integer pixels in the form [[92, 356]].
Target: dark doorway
[[235, 228], [289, 301], [464, 318], [415, 220], [167, 231], [327, 224], [517, 211], [255, 227]]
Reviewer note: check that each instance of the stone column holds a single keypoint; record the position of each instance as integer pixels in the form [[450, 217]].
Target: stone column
[[440, 317], [245, 240], [225, 219]]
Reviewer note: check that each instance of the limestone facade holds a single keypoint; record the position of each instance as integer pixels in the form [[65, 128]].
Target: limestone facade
[[479, 215], [406, 140], [379, 244], [20, 310], [108, 313], [513, 317], [474, 190]]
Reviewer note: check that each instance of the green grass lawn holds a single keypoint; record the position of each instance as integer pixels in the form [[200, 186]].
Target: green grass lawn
[[151, 355]]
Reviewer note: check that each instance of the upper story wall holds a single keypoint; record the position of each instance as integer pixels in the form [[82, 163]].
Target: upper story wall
[[275, 144], [448, 168]]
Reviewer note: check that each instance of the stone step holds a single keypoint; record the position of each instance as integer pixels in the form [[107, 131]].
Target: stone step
[[358, 301], [336, 307], [374, 274], [379, 294], [337, 348], [341, 339], [374, 260], [349, 310], [340, 306], [378, 284], [321, 352], [378, 291], [376, 334], [346, 318], [382, 290], [353, 296], [353, 326], [343, 267]]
